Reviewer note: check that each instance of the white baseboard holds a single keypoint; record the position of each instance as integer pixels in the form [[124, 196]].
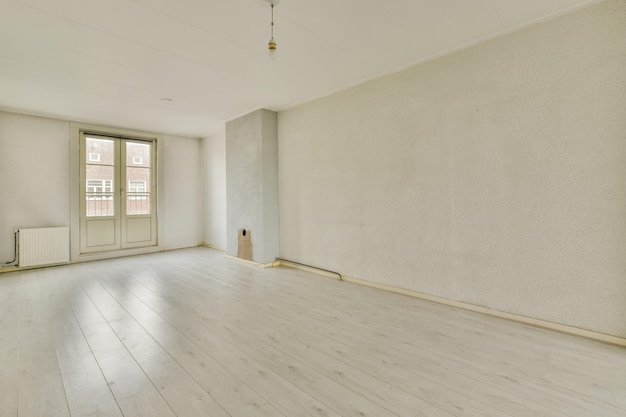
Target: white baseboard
[[253, 263], [208, 245], [589, 334]]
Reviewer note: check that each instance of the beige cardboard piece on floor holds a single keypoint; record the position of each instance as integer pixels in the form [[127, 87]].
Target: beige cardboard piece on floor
[[244, 244]]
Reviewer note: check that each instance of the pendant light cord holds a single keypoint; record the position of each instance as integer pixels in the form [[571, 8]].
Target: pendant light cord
[[272, 37]]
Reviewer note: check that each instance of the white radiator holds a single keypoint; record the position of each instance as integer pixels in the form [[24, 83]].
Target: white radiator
[[43, 246]]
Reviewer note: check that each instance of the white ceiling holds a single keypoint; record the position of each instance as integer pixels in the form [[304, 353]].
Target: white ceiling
[[112, 61]]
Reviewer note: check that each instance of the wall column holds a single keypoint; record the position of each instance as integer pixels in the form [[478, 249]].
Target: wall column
[[252, 187]]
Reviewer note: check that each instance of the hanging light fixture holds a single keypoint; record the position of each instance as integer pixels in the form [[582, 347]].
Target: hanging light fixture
[[271, 45]]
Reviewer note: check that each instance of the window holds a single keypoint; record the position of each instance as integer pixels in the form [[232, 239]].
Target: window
[[116, 197], [94, 157], [99, 189], [99, 197], [137, 160], [137, 190]]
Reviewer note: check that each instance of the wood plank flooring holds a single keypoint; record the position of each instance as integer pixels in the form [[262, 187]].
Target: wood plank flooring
[[194, 333]]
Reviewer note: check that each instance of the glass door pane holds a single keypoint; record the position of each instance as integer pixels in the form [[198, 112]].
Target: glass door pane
[[99, 177], [138, 178]]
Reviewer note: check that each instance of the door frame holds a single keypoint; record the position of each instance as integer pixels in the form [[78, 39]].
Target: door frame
[[75, 133]]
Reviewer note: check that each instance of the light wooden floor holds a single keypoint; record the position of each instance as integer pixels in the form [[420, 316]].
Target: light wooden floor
[[192, 333]]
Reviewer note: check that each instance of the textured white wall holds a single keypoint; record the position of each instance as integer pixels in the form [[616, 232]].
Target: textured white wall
[[494, 176], [214, 166], [34, 176], [181, 188]]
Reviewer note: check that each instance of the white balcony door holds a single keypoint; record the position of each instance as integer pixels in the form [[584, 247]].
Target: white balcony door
[[117, 198]]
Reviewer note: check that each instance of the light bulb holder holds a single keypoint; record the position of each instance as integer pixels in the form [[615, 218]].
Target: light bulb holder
[[271, 45]]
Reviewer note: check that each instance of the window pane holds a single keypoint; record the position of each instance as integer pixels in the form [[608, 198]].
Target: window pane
[[138, 190], [100, 151], [100, 182], [137, 186], [138, 154], [138, 177]]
